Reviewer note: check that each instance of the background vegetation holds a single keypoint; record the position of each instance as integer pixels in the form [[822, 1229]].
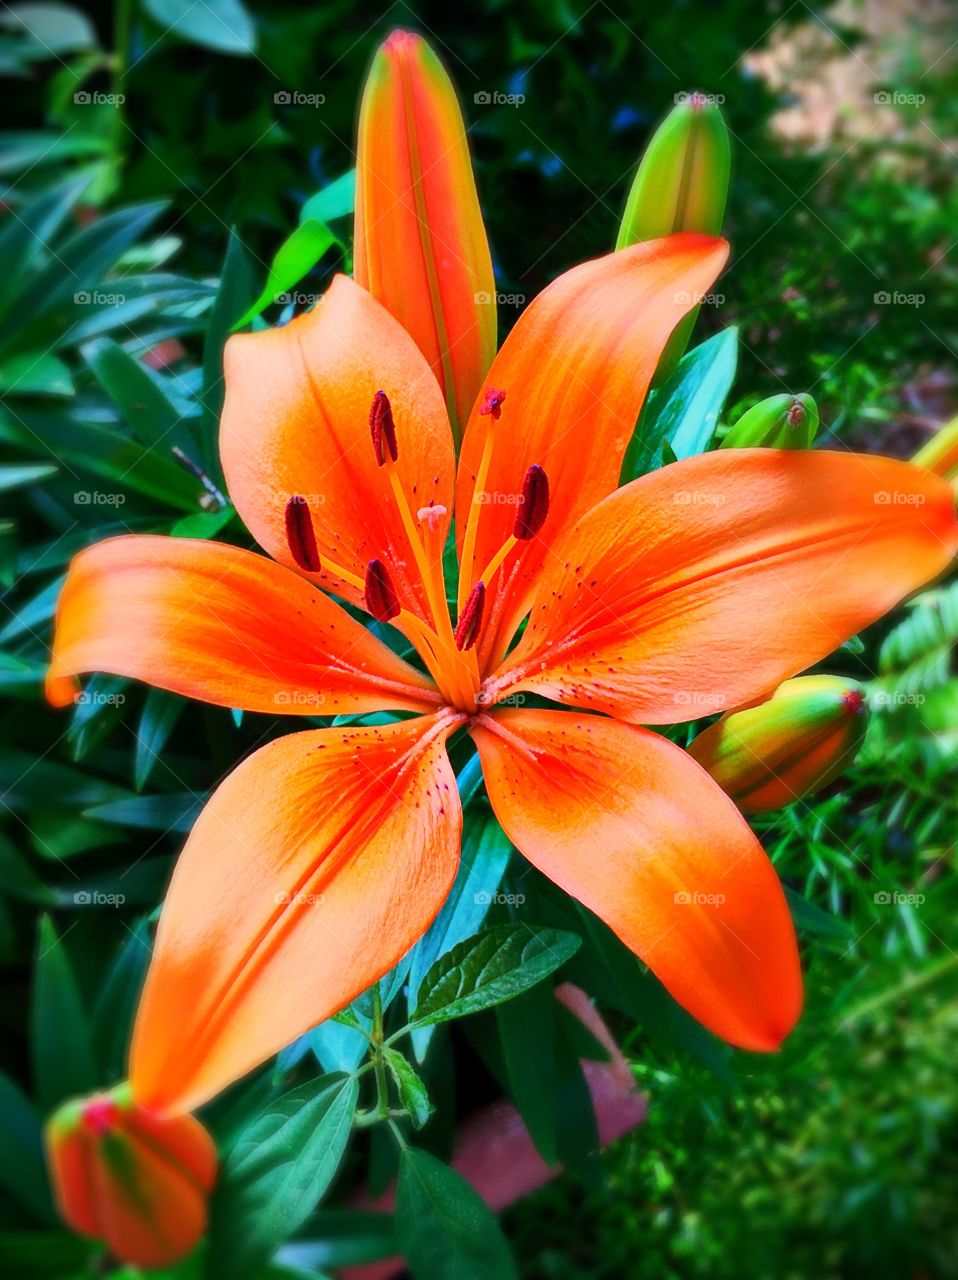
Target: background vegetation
[[150, 175]]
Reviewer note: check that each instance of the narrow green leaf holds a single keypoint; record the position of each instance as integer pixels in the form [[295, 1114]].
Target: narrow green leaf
[[527, 1033], [494, 966], [62, 1051], [22, 1166], [152, 415], [445, 1230], [160, 714], [297, 255], [336, 200]]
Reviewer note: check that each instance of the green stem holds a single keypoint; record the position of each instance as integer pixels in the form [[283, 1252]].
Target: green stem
[[379, 1064]]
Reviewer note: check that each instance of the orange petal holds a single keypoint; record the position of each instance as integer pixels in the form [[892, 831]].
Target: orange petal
[[575, 370], [700, 587], [222, 625], [136, 1180], [296, 422], [421, 246], [309, 874], [627, 823]]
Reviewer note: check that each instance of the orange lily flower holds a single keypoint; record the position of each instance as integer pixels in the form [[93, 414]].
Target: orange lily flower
[[420, 243], [323, 858]]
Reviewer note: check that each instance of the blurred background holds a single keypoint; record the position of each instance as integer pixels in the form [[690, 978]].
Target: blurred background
[[137, 138]]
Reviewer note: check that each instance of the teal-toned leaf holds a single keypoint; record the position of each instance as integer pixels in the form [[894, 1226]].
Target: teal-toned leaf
[[27, 230], [277, 1171], [294, 258], [63, 1063], [445, 1230], [334, 201], [18, 879], [810, 918], [55, 28], [684, 411], [413, 1094], [152, 813], [15, 477], [160, 714], [344, 1238], [117, 999], [223, 25], [22, 1166], [494, 966]]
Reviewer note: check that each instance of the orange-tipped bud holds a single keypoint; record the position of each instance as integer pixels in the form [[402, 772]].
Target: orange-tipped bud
[[940, 454], [772, 754], [421, 246], [135, 1180]]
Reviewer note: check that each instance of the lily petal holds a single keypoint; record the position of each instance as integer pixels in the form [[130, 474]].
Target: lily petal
[[575, 371], [421, 246], [296, 423], [312, 870], [700, 587], [629, 824], [212, 622]]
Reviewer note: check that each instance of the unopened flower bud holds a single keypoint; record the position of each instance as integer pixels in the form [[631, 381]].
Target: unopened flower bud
[[780, 422], [772, 754]]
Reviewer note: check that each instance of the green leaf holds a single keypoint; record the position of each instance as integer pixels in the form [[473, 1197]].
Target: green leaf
[[412, 1092], [35, 373], [55, 28], [294, 258], [62, 1051], [117, 1000], [223, 25], [445, 1230], [18, 878], [22, 1167], [232, 298], [160, 714], [527, 1035], [15, 477], [276, 1172], [812, 919], [26, 232], [684, 411], [494, 966], [152, 416], [334, 201]]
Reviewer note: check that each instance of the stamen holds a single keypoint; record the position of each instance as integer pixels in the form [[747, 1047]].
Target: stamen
[[431, 517], [381, 598], [100, 1115], [534, 507], [383, 428], [492, 402], [470, 620], [300, 535]]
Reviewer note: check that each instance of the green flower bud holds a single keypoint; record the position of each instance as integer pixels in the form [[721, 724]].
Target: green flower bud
[[780, 422]]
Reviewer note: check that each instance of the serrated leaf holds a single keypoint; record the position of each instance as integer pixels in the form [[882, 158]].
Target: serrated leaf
[[277, 1171], [494, 966], [445, 1230]]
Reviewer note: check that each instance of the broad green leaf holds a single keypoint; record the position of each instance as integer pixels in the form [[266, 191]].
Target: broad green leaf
[[684, 411], [56, 28], [63, 1062], [277, 1171], [413, 1094], [494, 966], [445, 1230], [294, 258], [223, 25], [527, 1033], [334, 201]]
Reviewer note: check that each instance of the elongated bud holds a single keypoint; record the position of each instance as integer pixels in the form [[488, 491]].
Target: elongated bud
[[795, 743], [470, 620], [135, 1180], [300, 535], [382, 428], [940, 454], [381, 598], [681, 185], [420, 244], [534, 507], [780, 422]]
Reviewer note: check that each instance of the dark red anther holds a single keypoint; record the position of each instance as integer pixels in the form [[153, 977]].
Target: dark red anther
[[381, 598], [300, 535], [470, 620], [532, 510], [383, 428], [492, 402]]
